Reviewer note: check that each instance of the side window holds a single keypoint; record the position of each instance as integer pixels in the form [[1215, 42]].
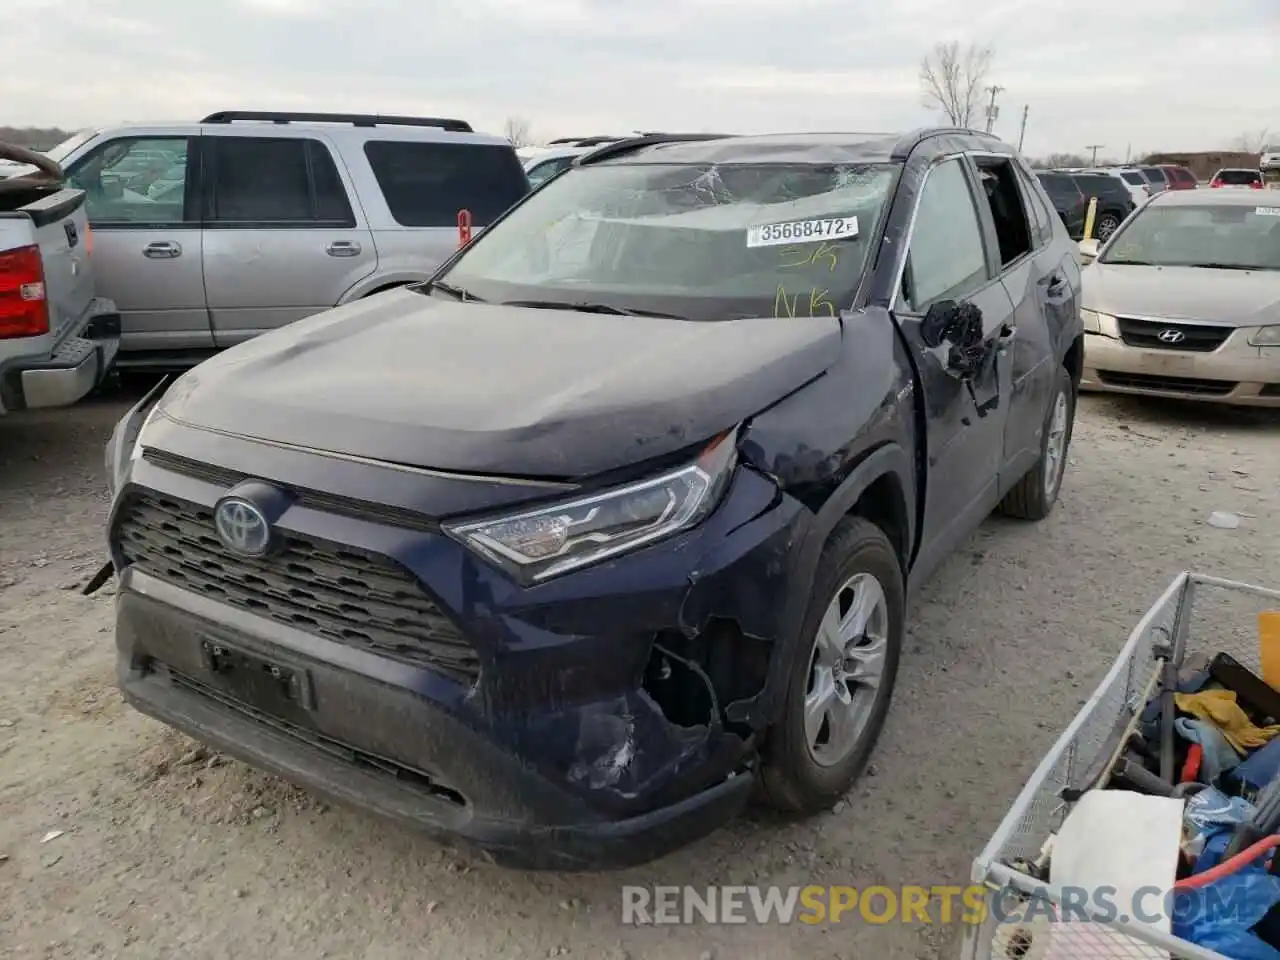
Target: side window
[[544, 171], [947, 259], [1041, 224], [269, 181], [1000, 186], [426, 183], [139, 180]]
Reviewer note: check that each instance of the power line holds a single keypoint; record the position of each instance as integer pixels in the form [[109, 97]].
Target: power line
[[1095, 147], [992, 110]]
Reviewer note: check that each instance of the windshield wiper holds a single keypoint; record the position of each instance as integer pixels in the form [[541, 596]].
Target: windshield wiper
[[1130, 263], [1224, 266], [456, 292], [591, 308]]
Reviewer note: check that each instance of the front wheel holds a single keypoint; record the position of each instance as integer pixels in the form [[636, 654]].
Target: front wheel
[[840, 684], [1036, 493]]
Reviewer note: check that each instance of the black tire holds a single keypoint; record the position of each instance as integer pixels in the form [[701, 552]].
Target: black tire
[[1107, 224], [1033, 497], [790, 778]]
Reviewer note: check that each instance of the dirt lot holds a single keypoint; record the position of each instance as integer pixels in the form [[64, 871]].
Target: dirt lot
[[166, 852]]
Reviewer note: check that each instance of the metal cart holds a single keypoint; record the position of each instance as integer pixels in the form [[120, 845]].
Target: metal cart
[[1196, 613]]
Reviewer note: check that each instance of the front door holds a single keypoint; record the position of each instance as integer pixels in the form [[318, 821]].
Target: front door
[[141, 196], [948, 260], [282, 238]]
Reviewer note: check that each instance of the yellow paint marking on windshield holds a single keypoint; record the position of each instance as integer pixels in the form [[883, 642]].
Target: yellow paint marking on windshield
[[818, 298], [788, 305], [781, 301], [824, 253]]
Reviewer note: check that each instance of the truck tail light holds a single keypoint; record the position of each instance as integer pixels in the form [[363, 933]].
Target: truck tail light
[[24, 311], [1215, 183]]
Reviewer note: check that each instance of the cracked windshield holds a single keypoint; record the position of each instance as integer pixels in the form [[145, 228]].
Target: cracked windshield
[[702, 242]]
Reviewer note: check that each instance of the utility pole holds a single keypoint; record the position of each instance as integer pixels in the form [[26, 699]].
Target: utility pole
[[1022, 134], [992, 110], [1095, 147]]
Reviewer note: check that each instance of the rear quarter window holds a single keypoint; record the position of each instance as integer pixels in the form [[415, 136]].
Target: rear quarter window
[[1155, 174], [427, 184], [1134, 177]]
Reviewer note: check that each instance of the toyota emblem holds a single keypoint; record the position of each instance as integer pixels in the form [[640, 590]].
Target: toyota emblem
[[242, 527], [1171, 336]]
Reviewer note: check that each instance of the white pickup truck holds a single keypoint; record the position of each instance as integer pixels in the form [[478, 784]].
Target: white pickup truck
[[57, 340]]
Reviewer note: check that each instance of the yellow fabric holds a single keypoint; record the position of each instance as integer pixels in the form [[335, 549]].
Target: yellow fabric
[[1219, 707]]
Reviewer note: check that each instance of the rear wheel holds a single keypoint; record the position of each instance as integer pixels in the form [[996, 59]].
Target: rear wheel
[[840, 685], [1036, 493], [1106, 225]]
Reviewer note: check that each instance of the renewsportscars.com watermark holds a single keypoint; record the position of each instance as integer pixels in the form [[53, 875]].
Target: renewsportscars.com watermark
[[937, 904]]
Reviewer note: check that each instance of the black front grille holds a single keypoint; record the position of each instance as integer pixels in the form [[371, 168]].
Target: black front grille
[[1164, 335], [417, 779], [344, 594], [1143, 381]]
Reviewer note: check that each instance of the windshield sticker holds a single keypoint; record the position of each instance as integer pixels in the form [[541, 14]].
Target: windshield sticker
[[1268, 211], [802, 231]]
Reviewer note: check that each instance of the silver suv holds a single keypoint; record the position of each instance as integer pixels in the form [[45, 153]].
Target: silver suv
[[208, 234]]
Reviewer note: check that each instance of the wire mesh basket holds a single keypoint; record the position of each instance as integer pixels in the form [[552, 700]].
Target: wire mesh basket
[[1195, 614]]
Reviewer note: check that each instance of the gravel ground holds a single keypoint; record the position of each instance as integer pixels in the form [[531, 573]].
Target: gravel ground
[[167, 852]]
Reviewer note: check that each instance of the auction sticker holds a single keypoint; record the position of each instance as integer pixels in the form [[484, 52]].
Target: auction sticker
[[1267, 211], [802, 231]]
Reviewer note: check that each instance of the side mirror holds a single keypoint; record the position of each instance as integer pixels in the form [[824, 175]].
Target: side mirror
[[960, 325], [1089, 250], [939, 319]]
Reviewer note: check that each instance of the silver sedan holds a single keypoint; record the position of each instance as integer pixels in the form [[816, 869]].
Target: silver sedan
[[1184, 300]]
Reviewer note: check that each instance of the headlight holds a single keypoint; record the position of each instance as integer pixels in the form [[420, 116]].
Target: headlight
[[1266, 337], [125, 444], [1103, 323], [539, 544]]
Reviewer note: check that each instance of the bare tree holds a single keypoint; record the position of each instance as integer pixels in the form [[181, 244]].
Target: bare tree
[[517, 130], [1061, 160], [1254, 141], [952, 78]]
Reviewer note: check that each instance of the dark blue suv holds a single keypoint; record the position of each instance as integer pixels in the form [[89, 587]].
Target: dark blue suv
[[569, 550]]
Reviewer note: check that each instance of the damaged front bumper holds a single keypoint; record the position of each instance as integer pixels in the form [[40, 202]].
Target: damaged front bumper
[[583, 725]]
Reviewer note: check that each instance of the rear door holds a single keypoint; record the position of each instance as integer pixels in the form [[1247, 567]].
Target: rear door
[[142, 200], [282, 239], [1023, 360], [1042, 285], [948, 260]]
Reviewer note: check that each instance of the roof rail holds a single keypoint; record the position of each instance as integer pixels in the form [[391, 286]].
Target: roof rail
[[357, 119], [619, 147], [586, 141]]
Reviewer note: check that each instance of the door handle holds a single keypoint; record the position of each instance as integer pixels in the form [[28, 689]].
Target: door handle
[[1005, 337], [162, 250], [343, 248]]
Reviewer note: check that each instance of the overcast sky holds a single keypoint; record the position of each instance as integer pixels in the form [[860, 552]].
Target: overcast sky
[[1172, 74]]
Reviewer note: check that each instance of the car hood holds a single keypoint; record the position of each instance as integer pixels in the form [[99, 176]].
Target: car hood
[[494, 390], [1235, 297]]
